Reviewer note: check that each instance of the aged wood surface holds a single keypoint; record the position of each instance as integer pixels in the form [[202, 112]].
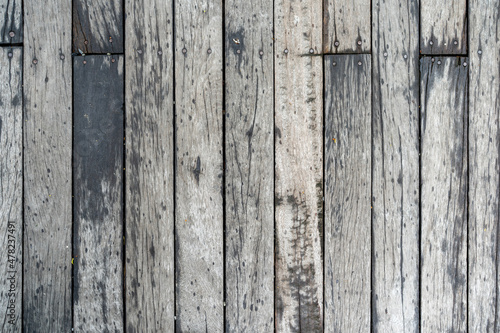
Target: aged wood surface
[[149, 167], [11, 188], [98, 193], [249, 166], [484, 176], [443, 27], [395, 185], [11, 21], [348, 118], [443, 129], [98, 26], [47, 135], [346, 26], [298, 166], [199, 166]]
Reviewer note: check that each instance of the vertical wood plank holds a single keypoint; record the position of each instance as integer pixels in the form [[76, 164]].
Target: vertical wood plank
[[249, 166], [395, 200], [98, 26], [347, 193], [199, 166], [11, 21], [298, 166], [98, 193], [149, 167], [444, 194], [484, 176], [443, 27], [11, 182], [47, 166], [346, 26]]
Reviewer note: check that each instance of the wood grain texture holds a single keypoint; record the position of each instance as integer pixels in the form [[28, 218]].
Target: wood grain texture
[[11, 191], [199, 166], [47, 133], [484, 176], [346, 26], [149, 167], [443, 27], [249, 166], [11, 21], [395, 201], [98, 26], [348, 118], [443, 131], [98, 193], [298, 166]]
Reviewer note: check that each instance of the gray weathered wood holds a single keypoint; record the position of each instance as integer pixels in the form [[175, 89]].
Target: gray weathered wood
[[298, 166], [249, 166], [484, 176], [11, 21], [395, 200], [149, 168], [47, 166], [443, 131], [98, 193], [11, 183], [346, 26], [443, 27], [98, 26], [348, 118], [199, 166]]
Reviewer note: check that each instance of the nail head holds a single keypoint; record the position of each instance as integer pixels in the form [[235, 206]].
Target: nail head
[[455, 42], [359, 42], [113, 60], [184, 50], [160, 52], [139, 51], [405, 56], [286, 51], [336, 43], [465, 64], [359, 63], [432, 59], [12, 34], [439, 62], [238, 51], [61, 56], [10, 54], [479, 52], [261, 52], [385, 54], [334, 63], [35, 61], [209, 51], [311, 51], [431, 42], [85, 62]]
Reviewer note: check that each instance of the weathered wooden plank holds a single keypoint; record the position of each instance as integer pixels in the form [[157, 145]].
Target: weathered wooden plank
[[395, 196], [98, 26], [149, 168], [199, 166], [11, 182], [11, 21], [443, 27], [346, 26], [298, 166], [47, 133], [98, 193], [249, 166], [444, 194], [348, 118], [484, 176]]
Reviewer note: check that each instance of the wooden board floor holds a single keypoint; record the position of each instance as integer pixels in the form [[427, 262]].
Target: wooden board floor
[[250, 166]]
